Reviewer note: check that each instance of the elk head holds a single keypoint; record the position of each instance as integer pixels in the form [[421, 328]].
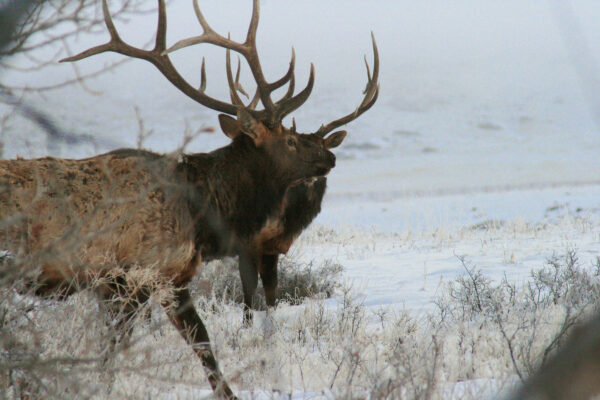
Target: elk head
[[293, 155]]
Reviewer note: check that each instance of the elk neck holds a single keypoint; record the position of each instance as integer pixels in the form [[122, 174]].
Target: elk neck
[[241, 185], [303, 203]]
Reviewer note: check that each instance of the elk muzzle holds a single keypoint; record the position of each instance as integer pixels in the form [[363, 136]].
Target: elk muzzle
[[326, 164]]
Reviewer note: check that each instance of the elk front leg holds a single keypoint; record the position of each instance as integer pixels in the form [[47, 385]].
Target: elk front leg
[[190, 326], [249, 276], [268, 275]]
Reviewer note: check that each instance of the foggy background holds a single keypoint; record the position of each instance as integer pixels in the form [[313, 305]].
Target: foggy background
[[475, 95]]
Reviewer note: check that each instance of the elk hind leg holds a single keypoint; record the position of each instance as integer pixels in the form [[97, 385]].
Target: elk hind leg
[[187, 321]]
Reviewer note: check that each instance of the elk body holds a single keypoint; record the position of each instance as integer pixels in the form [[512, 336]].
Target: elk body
[[70, 223]]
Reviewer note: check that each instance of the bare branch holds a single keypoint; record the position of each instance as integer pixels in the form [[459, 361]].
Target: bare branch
[[46, 25]]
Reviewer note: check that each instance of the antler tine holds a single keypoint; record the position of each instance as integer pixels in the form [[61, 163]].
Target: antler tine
[[288, 106], [112, 45], [235, 99], [247, 49], [264, 89], [288, 77], [371, 93], [208, 36], [203, 22], [161, 30], [109, 22], [203, 76], [368, 75], [372, 81], [255, 100], [251, 36], [238, 85], [290, 90]]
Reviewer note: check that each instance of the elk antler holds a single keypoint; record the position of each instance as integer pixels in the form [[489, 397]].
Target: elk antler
[[272, 114], [371, 92]]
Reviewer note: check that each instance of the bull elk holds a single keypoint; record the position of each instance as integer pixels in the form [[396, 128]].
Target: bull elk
[[300, 206], [74, 221], [302, 201]]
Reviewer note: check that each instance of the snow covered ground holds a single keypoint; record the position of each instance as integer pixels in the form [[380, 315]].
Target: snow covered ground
[[484, 143]]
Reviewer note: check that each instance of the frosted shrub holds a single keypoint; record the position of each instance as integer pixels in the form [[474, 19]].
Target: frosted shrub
[[47, 350], [70, 347], [522, 324], [484, 330], [564, 282]]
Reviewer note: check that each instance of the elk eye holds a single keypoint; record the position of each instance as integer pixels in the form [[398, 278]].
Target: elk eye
[[291, 142]]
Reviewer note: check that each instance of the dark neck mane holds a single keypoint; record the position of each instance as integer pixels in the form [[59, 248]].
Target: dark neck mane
[[240, 184]]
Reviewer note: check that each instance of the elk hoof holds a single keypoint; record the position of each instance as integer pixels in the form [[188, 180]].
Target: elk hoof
[[247, 322]]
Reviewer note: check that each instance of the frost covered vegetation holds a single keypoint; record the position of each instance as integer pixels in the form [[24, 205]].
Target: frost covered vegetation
[[486, 333], [478, 162]]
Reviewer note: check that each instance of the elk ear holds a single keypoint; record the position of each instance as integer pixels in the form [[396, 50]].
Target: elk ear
[[250, 126], [229, 125], [335, 139]]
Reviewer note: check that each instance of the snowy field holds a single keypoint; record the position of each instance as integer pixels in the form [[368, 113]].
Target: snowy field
[[483, 146]]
